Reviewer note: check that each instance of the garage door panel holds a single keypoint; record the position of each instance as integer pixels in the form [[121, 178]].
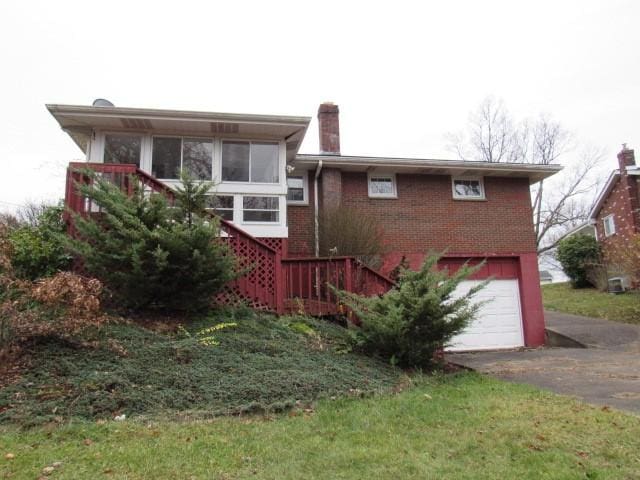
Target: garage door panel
[[498, 323]]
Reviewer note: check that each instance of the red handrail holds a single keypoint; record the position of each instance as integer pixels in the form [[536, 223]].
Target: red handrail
[[270, 280], [261, 286], [307, 280]]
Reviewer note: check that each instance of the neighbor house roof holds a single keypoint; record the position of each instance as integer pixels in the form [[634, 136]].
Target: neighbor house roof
[[533, 172], [586, 228], [79, 121], [608, 186], [545, 275]]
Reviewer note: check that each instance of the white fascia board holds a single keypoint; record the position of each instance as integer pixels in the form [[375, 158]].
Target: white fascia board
[[182, 115], [604, 193], [462, 165]]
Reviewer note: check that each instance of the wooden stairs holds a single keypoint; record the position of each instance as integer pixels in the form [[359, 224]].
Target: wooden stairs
[[276, 284]]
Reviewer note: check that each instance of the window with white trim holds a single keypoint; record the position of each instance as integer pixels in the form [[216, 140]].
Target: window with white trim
[[609, 225], [467, 188], [261, 209], [221, 205], [297, 190], [255, 162], [382, 186], [170, 155], [122, 148]]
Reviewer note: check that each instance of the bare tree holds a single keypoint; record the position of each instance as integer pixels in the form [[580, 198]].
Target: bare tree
[[492, 135], [567, 202], [549, 140], [8, 221], [30, 212]]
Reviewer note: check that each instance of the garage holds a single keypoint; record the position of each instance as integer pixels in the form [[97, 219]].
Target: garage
[[499, 321]]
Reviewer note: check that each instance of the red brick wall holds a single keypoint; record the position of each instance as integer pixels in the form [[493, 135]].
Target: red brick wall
[[618, 204], [330, 188], [301, 226], [425, 216]]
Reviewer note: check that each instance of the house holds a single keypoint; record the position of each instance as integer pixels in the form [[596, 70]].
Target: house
[[616, 214], [270, 198], [586, 228], [545, 277]]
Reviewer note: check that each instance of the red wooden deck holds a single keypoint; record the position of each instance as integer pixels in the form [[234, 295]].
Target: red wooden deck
[[273, 283]]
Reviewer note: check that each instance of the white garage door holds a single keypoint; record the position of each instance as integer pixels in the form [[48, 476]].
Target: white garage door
[[498, 324]]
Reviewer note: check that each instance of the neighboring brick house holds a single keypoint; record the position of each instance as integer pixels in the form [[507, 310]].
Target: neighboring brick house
[[616, 212], [471, 211]]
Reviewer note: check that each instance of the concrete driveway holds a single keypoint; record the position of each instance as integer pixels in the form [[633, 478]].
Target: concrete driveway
[[606, 372]]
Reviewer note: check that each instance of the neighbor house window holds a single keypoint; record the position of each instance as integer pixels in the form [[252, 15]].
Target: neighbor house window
[[121, 148], [468, 188], [221, 205], [382, 186], [250, 162], [296, 189], [260, 209], [172, 154], [609, 225]]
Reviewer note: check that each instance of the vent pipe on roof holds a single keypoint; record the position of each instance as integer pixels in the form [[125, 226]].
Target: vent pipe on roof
[[101, 102]]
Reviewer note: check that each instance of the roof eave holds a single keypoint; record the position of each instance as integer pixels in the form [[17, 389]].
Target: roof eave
[[534, 172], [150, 113], [604, 193], [297, 124]]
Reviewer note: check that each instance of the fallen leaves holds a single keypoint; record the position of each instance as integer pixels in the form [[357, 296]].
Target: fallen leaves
[[48, 471]]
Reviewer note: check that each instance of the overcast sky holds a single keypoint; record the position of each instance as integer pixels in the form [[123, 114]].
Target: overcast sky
[[403, 73]]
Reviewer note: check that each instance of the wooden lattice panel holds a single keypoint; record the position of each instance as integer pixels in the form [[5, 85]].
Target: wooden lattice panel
[[257, 286], [278, 244]]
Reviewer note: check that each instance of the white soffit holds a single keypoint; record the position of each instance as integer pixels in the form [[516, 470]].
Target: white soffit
[[79, 121]]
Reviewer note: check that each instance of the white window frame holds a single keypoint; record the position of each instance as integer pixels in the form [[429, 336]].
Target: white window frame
[[391, 176], [305, 188], [250, 182], [249, 222], [233, 208], [101, 145], [457, 196], [182, 137], [612, 230]]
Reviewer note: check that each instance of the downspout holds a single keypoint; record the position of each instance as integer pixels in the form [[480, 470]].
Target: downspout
[[316, 223]]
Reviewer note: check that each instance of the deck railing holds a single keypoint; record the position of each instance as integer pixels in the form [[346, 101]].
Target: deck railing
[[261, 286], [307, 280], [271, 282]]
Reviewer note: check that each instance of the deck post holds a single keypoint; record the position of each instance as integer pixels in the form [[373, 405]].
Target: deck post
[[348, 280], [279, 290]]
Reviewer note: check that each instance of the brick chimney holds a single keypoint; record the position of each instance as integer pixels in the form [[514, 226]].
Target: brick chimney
[[626, 159], [329, 128]]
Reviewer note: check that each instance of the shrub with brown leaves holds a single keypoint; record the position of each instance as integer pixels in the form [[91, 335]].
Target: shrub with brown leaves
[[62, 306], [5, 252], [75, 297]]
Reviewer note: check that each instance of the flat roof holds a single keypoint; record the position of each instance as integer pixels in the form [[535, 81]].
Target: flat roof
[[79, 120], [534, 172]]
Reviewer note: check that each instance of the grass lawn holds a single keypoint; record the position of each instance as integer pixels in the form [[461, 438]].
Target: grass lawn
[[590, 302], [458, 427]]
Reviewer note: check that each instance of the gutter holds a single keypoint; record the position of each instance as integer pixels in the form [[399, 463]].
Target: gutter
[[316, 224], [429, 163]]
